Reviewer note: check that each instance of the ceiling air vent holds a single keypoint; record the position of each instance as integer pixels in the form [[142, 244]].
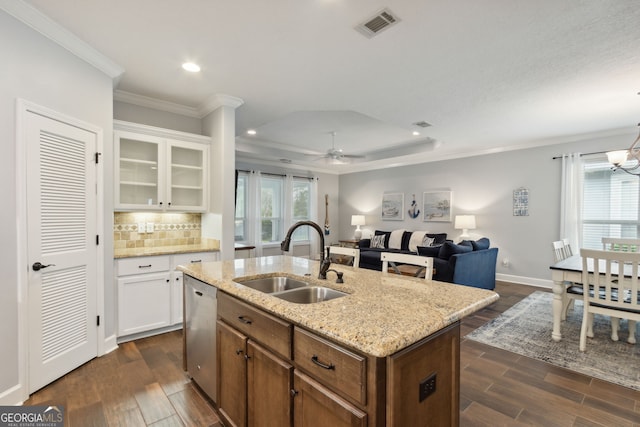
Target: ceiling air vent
[[422, 124], [377, 23]]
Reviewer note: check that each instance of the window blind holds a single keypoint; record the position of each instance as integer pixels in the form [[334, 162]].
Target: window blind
[[610, 203]]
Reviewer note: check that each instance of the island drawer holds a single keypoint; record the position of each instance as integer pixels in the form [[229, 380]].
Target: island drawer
[[331, 364], [255, 323]]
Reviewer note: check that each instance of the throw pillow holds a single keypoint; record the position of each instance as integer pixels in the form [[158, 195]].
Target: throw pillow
[[417, 238], [428, 241], [481, 244], [378, 241], [430, 251], [448, 249], [386, 235], [395, 240], [440, 237]]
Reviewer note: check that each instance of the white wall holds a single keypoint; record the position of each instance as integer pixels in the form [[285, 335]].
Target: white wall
[[483, 186], [162, 119], [40, 71]]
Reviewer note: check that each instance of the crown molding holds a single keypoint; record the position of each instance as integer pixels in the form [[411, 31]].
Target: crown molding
[[216, 101], [156, 104], [211, 104], [35, 19]]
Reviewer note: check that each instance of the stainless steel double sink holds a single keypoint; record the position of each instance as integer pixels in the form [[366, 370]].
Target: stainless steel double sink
[[291, 289]]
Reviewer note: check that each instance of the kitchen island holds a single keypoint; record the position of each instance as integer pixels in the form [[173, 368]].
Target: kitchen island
[[385, 354]]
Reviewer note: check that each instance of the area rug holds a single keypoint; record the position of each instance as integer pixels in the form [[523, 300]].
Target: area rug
[[526, 329]]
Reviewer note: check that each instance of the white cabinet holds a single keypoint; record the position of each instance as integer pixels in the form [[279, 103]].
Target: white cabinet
[[158, 169], [150, 292]]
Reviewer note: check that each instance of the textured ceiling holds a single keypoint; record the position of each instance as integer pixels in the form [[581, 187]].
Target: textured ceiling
[[488, 74]]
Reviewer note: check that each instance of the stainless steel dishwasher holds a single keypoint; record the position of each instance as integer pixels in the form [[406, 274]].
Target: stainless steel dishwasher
[[201, 306]]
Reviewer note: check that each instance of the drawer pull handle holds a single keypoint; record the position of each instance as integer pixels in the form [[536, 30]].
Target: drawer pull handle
[[195, 261], [315, 360], [144, 266], [245, 320], [198, 293]]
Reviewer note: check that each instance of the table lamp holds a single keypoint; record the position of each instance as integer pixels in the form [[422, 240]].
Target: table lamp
[[465, 223], [357, 220]]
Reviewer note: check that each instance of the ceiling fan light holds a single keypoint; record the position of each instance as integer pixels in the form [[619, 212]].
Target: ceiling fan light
[[617, 158]]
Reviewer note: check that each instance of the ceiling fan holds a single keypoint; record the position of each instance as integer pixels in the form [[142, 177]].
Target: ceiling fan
[[336, 156]]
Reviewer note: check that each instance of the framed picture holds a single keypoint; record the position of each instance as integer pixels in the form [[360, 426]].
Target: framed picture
[[392, 206], [436, 206], [521, 202]]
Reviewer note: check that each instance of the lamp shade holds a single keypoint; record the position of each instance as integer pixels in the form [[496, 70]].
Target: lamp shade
[[465, 222], [617, 157], [357, 219]]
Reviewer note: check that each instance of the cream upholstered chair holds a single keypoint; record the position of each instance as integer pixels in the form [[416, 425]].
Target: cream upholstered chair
[[426, 263], [610, 293], [352, 252]]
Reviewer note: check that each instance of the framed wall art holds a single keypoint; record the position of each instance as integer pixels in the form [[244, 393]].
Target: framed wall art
[[436, 206], [392, 206], [521, 202]]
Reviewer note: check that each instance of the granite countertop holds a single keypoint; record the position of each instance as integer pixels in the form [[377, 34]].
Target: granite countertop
[[383, 313], [207, 245]]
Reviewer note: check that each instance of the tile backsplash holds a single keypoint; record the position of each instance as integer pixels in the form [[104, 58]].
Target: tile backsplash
[[169, 229]]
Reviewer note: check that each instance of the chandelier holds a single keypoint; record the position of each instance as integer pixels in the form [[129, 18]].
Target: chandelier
[[619, 157]]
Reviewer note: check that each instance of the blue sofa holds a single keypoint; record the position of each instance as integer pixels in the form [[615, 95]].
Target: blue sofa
[[470, 263]]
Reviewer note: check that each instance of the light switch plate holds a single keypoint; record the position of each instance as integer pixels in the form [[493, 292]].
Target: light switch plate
[[141, 228], [150, 227]]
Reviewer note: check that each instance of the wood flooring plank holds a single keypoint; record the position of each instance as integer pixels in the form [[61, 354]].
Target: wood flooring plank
[[192, 408], [172, 421], [154, 404], [124, 418], [603, 393], [87, 416], [606, 406], [477, 415]]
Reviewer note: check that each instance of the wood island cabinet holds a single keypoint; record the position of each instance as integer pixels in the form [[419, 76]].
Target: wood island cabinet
[[273, 373]]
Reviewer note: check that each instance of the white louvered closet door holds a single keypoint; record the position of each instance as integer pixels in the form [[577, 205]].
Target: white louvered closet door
[[62, 218]]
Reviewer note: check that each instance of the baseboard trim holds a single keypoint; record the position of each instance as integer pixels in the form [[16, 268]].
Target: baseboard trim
[[146, 334], [522, 280], [13, 396], [110, 344]]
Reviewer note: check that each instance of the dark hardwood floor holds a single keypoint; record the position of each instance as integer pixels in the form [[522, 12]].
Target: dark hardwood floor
[[142, 384]]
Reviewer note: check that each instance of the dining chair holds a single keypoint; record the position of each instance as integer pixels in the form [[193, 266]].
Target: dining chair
[[567, 248], [620, 244], [391, 258], [607, 291], [562, 250], [351, 252]]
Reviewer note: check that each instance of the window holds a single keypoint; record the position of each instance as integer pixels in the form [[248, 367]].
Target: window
[[610, 204], [271, 209], [301, 207], [242, 189]]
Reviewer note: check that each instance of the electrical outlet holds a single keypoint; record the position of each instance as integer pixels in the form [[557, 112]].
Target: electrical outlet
[[150, 227], [142, 228], [427, 387]]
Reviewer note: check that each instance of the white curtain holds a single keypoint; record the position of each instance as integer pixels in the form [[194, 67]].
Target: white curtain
[[287, 214], [571, 200], [254, 211], [314, 239]]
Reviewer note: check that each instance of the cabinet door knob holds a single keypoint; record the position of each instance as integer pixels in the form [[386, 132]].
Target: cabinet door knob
[[239, 351], [294, 392]]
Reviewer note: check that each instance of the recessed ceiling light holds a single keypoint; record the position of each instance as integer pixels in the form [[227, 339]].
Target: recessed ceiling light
[[191, 67], [416, 133], [251, 132]]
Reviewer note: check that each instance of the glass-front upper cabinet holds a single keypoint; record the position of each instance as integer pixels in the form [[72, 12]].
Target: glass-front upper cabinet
[[157, 173]]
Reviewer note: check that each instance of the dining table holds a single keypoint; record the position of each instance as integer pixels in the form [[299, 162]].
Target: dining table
[[567, 272]]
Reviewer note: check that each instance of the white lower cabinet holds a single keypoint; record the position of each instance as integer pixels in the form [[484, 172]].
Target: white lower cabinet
[[150, 293], [143, 303]]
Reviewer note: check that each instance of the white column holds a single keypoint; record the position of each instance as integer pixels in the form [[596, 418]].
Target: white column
[[219, 123]]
